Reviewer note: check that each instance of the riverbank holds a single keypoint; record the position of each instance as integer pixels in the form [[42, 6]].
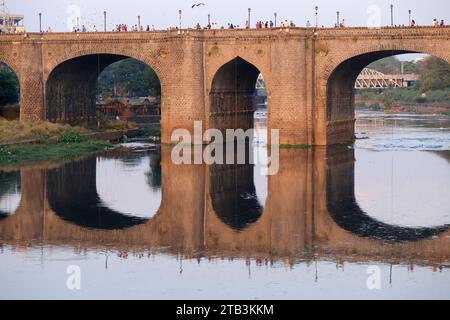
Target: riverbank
[[27, 142], [50, 150], [404, 100]]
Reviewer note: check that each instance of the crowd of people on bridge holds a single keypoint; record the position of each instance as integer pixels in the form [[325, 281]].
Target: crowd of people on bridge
[[436, 23], [268, 24]]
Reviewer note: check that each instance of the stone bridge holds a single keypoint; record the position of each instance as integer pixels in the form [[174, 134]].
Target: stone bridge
[[209, 75]]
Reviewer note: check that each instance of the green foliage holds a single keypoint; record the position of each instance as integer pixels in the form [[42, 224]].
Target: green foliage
[[420, 100], [129, 78], [375, 106], [50, 150], [118, 125], [9, 86], [406, 96], [392, 65], [70, 137], [436, 75], [360, 105], [150, 132], [367, 94], [152, 82]]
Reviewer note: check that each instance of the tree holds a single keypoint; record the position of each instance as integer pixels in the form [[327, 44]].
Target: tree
[[9, 86], [130, 78], [436, 75], [390, 65], [152, 81]]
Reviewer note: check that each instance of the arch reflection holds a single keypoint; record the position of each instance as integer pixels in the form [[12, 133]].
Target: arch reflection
[[238, 192], [346, 212], [134, 187], [73, 194], [10, 193]]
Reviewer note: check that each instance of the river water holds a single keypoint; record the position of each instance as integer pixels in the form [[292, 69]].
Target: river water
[[366, 222]]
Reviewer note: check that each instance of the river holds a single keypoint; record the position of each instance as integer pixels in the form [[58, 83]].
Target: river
[[369, 221]]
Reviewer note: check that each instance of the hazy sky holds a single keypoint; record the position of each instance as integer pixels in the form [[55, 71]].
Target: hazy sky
[[59, 13]]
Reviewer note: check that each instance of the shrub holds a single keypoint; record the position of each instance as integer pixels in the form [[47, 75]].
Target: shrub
[[118, 125], [421, 100], [70, 137], [375, 106], [360, 105]]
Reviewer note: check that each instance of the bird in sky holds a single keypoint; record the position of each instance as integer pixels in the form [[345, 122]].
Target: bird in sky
[[198, 5]]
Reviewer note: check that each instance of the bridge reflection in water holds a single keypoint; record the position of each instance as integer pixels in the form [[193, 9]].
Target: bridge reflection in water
[[310, 213]]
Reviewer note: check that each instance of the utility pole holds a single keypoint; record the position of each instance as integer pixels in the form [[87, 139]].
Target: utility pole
[[410, 17], [180, 16], [139, 23], [275, 15], [104, 20], [317, 16], [249, 16], [40, 22], [338, 23], [3, 11], [392, 15]]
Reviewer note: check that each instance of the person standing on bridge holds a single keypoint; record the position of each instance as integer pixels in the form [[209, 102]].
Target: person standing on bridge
[[413, 23], [442, 23]]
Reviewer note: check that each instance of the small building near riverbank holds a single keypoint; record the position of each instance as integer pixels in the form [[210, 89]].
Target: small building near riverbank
[[139, 110]]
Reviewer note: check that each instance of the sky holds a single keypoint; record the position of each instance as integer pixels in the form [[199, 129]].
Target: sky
[[60, 14]]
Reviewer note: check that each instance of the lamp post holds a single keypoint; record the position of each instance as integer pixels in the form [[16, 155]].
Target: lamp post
[[317, 16], [249, 15], [410, 17], [209, 20], [104, 20], [40, 22], [139, 23], [338, 19], [180, 13], [275, 15], [392, 15]]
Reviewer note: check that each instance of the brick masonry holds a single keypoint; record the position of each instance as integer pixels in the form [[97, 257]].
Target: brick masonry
[[309, 74], [296, 220]]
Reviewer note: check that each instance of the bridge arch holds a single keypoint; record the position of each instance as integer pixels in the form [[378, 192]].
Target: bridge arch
[[231, 95], [339, 76], [70, 86]]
